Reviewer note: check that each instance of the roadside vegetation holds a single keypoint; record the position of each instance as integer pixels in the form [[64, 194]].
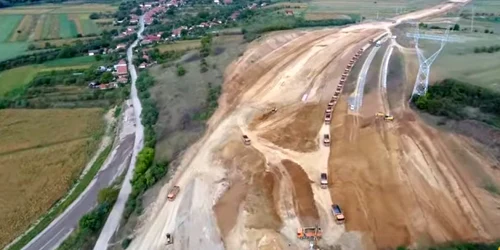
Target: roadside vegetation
[[457, 100], [48, 161], [90, 225], [462, 246]]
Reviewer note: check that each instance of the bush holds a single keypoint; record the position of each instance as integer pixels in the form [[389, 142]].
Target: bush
[[126, 242], [108, 195], [180, 70]]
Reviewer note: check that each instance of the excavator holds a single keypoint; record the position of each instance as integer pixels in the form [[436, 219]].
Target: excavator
[[386, 117]]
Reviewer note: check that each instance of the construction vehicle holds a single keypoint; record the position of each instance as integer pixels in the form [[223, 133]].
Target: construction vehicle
[[345, 75], [332, 102], [328, 118], [173, 193], [324, 178], [337, 213], [170, 239], [313, 234], [246, 140], [326, 140], [386, 117], [346, 71], [274, 110], [329, 109]]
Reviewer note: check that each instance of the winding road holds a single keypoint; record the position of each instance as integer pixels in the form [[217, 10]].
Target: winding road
[[117, 211]]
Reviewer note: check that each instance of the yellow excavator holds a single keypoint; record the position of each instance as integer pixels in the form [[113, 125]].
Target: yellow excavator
[[386, 117]]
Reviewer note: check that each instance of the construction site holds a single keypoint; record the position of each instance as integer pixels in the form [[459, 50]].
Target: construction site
[[314, 146]]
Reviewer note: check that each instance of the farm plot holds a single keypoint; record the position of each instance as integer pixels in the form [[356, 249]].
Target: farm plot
[[368, 8], [42, 152], [180, 45], [25, 29], [67, 27], [51, 27], [10, 50], [18, 77], [8, 25], [84, 25]]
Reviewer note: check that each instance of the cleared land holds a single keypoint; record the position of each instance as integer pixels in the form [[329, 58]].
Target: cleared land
[[17, 77], [42, 152], [399, 183]]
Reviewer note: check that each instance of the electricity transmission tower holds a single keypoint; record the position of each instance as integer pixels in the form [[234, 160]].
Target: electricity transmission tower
[[422, 81]]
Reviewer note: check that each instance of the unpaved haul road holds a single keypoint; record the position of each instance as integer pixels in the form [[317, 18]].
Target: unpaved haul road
[[290, 72]]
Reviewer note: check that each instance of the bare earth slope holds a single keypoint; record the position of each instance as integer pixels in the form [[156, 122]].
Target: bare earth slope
[[398, 182]]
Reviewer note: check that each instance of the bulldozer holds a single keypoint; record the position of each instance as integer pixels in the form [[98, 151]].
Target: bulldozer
[[386, 117]]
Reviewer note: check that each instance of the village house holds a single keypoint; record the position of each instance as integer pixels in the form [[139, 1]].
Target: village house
[[122, 79], [143, 66], [121, 68], [235, 15], [176, 33], [289, 12], [121, 46], [216, 1], [93, 52]]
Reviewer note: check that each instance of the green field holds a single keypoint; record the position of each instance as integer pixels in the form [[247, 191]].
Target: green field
[[10, 50], [67, 28], [328, 9], [8, 24], [17, 77], [458, 61], [88, 26]]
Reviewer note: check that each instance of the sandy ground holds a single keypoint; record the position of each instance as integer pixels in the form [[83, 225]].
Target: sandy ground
[[397, 182]]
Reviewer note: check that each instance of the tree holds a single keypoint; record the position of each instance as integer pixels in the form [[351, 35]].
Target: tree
[[486, 31], [456, 27], [94, 16], [98, 57], [108, 195], [106, 77]]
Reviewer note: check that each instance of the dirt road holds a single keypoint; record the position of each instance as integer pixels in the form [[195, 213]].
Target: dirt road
[[396, 187]]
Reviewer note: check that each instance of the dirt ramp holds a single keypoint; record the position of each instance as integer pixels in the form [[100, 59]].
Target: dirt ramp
[[303, 194], [300, 133]]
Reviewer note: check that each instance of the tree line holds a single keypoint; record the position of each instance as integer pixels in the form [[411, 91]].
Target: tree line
[[451, 98], [484, 49]]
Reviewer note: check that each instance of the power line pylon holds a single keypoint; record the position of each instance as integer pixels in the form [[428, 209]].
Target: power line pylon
[[422, 81]]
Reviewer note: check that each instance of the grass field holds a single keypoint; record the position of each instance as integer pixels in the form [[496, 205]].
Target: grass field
[[60, 42], [10, 50], [458, 60], [67, 28], [17, 77], [42, 152], [180, 45], [8, 26], [326, 9]]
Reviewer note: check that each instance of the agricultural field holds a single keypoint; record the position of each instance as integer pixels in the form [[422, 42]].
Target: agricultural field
[[42, 152], [455, 61], [17, 77], [331, 9], [180, 45], [23, 25]]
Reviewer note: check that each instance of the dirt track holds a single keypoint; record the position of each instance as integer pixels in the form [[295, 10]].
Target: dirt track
[[397, 182]]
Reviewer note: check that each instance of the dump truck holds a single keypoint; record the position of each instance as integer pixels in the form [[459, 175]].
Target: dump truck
[[326, 140], [346, 71], [170, 239], [328, 118], [329, 109], [339, 87], [332, 102], [324, 180], [246, 140], [344, 75], [337, 213], [379, 114], [173, 193]]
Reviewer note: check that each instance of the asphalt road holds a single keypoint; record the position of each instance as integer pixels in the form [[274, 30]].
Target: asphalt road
[[116, 213], [60, 228]]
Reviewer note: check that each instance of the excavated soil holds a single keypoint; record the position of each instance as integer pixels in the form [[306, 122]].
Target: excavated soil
[[398, 183], [303, 194], [300, 133]]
